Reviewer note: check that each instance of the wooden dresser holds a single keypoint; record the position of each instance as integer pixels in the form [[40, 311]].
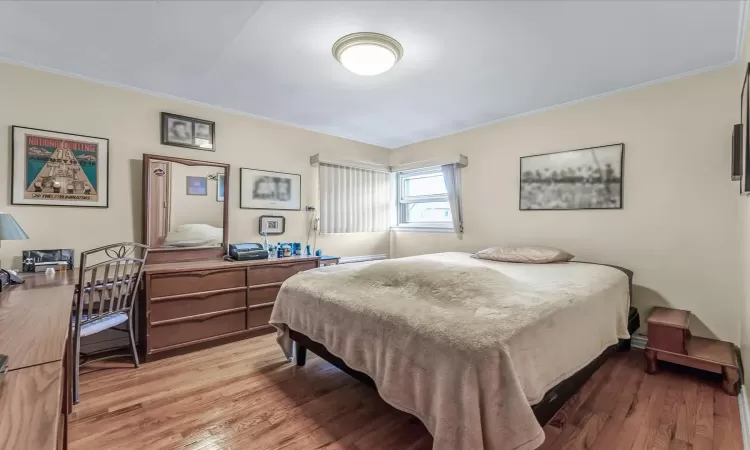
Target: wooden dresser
[[190, 305], [35, 321]]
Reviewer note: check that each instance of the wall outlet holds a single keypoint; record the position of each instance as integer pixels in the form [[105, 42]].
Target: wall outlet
[[309, 208]]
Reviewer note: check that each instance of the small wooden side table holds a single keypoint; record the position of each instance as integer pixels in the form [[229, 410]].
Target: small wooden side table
[[669, 339]]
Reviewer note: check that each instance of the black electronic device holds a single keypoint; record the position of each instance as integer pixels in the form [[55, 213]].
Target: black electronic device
[[40, 260], [247, 252]]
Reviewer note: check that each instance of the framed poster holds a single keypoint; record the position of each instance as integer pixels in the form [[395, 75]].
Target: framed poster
[[182, 131], [196, 185], [220, 187], [589, 178], [261, 189], [52, 168]]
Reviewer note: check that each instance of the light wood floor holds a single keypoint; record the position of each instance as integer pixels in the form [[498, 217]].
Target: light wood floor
[[246, 396]]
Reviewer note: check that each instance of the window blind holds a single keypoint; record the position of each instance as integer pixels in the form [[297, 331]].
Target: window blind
[[353, 200]]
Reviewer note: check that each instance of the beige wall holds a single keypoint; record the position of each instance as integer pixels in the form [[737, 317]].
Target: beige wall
[[679, 229], [744, 223], [130, 120]]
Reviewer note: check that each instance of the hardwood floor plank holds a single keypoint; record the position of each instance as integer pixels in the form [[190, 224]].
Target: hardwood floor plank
[[246, 395]]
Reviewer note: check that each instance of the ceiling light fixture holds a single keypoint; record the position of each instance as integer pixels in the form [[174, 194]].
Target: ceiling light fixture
[[367, 53]]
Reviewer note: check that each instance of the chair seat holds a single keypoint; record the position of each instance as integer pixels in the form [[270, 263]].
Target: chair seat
[[105, 323]]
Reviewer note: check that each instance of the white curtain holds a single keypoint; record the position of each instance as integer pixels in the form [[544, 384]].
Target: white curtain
[[452, 177], [353, 200]]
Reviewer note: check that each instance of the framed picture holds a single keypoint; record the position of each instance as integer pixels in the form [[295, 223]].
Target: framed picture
[[589, 178], [271, 225], [744, 136], [189, 132], [220, 187], [52, 168], [197, 185], [261, 189]]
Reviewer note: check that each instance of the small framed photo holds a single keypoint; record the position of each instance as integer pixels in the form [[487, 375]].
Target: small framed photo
[[272, 225], [220, 187], [197, 185], [182, 131]]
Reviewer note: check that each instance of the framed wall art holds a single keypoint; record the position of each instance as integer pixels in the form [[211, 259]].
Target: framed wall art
[[196, 185], [271, 225], [53, 168], [220, 187], [589, 178], [182, 131], [261, 189]]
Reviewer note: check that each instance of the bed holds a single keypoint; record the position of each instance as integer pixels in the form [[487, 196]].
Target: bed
[[468, 346], [193, 235]]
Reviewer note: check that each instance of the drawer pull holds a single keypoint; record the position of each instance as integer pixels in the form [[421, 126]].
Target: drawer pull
[[266, 285], [200, 295], [197, 318]]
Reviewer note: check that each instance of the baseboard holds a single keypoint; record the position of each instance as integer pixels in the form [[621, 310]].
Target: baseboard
[[356, 259], [744, 418], [638, 341]]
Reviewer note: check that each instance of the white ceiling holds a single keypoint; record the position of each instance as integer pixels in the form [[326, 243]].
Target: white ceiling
[[465, 63]]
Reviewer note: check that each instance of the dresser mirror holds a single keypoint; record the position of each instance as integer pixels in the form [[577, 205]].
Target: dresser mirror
[[185, 208]]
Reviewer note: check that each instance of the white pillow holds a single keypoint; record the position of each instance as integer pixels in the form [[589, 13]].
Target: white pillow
[[530, 255]]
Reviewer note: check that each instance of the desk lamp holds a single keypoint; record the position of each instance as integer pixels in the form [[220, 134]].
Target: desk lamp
[[10, 231]]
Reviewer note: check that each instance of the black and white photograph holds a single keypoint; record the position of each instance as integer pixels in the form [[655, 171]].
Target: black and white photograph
[[589, 178], [260, 189], [181, 131], [271, 225]]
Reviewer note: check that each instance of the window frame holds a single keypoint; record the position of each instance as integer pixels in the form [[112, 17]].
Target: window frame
[[403, 202]]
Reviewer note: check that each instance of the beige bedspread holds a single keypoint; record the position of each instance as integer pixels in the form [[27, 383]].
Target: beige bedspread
[[466, 345]]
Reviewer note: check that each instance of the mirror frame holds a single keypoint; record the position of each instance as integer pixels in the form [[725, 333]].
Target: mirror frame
[[162, 255]]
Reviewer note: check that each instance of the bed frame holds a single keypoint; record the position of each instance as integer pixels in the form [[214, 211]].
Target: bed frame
[[553, 400]]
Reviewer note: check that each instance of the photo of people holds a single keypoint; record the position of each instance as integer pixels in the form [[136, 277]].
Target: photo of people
[[260, 189], [182, 131]]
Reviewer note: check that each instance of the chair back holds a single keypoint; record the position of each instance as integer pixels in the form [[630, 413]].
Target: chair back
[[108, 280]]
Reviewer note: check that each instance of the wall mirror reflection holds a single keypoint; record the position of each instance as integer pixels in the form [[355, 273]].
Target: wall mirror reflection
[[185, 203]]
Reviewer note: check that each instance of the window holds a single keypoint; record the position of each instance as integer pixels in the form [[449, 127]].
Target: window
[[423, 199]]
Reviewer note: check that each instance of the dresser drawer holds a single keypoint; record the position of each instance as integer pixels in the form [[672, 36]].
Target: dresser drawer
[[181, 331], [165, 308], [258, 295], [176, 283], [258, 316], [274, 273]]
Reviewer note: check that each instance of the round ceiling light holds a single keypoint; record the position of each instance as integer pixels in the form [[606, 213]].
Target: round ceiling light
[[367, 53]]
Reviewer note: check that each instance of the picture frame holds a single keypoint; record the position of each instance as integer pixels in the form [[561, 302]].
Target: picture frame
[[188, 132], [745, 133], [220, 187], [196, 185], [263, 189], [587, 178], [271, 225], [54, 168]]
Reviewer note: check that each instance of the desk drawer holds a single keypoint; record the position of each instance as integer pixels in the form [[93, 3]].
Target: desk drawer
[[190, 329], [176, 283], [276, 272], [166, 308]]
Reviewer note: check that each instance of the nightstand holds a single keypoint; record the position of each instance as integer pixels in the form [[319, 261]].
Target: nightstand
[[669, 339]]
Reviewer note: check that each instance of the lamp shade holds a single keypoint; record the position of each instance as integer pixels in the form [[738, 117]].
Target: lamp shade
[[9, 228]]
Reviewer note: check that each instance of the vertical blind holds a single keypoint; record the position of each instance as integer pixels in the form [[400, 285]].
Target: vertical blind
[[353, 200]]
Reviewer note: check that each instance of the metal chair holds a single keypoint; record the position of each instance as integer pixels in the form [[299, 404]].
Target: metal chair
[[106, 292]]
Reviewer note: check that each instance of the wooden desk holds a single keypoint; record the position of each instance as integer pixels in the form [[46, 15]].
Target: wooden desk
[[34, 333]]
